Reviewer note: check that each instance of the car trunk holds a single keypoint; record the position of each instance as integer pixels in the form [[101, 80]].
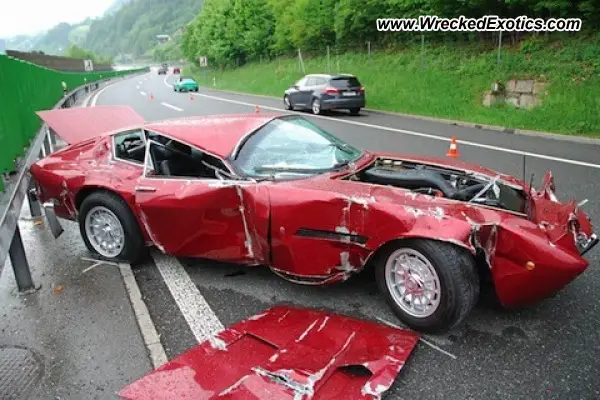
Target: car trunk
[[347, 86]]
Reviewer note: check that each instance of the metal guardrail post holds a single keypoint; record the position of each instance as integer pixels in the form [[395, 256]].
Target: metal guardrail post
[[20, 265], [34, 205]]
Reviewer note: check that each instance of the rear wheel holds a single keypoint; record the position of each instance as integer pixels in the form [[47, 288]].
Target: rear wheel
[[431, 286], [109, 228], [316, 106], [287, 103], [355, 111]]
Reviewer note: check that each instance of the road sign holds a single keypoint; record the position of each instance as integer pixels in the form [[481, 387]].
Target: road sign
[[88, 65], [203, 61]]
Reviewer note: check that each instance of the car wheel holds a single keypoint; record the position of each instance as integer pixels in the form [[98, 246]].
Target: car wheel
[[109, 228], [287, 104], [316, 106], [431, 286], [354, 111]]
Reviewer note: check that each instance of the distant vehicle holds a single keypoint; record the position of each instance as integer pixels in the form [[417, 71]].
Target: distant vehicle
[[185, 85], [163, 69], [322, 92], [176, 70]]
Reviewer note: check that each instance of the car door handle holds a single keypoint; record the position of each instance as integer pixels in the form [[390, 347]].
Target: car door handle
[[145, 189]]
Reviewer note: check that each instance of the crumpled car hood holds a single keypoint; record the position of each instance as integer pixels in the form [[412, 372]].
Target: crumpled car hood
[[284, 353]]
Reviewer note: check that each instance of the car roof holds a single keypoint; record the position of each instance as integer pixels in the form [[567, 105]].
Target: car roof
[[215, 134], [329, 76]]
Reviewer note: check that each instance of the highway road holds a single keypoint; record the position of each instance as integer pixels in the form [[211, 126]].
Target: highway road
[[548, 350]]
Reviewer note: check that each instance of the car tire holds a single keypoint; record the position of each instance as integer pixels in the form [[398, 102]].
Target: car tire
[[451, 274], [114, 211], [354, 111], [315, 107], [287, 103]]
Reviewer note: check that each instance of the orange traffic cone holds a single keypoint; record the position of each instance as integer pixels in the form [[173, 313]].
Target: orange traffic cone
[[453, 150], [256, 110], [151, 96], [192, 97]]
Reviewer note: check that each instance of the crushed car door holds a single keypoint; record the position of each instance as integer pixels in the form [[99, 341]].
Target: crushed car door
[[315, 234], [194, 217]]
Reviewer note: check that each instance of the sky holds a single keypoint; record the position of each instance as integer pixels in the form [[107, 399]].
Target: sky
[[32, 16]]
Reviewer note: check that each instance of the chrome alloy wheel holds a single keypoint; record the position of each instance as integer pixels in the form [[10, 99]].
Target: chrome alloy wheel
[[413, 282], [104, 231]]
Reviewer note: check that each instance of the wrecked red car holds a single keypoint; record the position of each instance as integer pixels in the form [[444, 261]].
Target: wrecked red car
[[279, 191]]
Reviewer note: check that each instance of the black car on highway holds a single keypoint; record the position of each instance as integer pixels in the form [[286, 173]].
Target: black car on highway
[[163, 69], [321, 92]]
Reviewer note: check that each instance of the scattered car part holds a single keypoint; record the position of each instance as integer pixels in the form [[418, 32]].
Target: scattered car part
[[284, 353]]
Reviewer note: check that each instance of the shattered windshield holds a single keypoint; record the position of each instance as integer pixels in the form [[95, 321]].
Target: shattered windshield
[[293, 145]]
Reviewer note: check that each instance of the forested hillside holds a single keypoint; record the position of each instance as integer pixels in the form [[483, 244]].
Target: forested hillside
[[233, 31], [55, 41], [133, 27]]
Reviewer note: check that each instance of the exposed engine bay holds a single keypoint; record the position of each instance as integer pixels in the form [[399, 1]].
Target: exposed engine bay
[[444, 182]]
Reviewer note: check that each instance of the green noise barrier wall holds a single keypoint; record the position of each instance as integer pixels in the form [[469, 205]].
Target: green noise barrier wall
[[26, 88]]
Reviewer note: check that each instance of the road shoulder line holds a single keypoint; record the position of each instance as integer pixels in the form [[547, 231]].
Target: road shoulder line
[[142, 315]]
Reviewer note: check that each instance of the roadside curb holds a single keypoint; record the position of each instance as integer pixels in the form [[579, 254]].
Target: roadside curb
[[495, 128]]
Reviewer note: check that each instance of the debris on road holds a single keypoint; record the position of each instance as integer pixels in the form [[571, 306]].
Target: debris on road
[[285, 353]]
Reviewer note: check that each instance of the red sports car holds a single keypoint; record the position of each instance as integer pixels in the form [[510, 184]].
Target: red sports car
[[279, 191]]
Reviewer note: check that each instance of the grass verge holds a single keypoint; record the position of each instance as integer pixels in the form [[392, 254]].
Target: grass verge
[[448, 81]]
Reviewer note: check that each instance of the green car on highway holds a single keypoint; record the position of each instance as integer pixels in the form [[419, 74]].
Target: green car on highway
[[185, 85]]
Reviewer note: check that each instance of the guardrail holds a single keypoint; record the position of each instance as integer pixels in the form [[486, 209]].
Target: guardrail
[[18, 184]]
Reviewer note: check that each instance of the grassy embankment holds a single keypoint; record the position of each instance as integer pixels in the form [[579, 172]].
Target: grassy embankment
[[450, 80]]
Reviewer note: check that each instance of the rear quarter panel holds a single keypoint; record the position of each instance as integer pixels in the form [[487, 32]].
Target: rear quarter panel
[[67, 176]]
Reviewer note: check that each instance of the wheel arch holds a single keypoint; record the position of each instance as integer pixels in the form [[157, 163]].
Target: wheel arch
[[85, 191], [385, 246]]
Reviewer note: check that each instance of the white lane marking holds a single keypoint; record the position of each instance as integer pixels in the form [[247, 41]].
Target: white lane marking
[[418, 134], [171, 106], [201, 319], [86, 102], [95, 99], [143, 93], [167, 83], [144, 320]]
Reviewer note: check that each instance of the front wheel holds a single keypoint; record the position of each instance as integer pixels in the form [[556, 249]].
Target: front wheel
[[354, 111], [431, 286], [109, 228]]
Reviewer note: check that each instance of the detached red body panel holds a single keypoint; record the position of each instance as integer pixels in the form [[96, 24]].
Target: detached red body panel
[[321, 228], [284, 353]]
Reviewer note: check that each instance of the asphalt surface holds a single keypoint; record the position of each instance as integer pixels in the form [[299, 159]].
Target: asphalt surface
[[79, 324], [546, 351]]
